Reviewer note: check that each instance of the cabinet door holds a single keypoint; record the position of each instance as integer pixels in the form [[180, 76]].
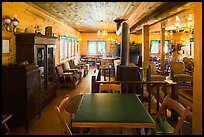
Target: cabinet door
[[41, 62], [50, 63]]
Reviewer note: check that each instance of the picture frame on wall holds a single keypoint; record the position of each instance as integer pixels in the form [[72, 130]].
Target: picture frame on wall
[[6, 46]]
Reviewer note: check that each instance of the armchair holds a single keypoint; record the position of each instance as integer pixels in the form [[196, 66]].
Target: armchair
[[155, 74], [66, 78], [179, 75], [82, 66], [67, 68]]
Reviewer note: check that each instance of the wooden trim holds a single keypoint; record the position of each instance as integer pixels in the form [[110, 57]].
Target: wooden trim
[[113, 124]]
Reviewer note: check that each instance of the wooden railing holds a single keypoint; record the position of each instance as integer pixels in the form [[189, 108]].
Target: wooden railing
[[106, 72], [158, 89]]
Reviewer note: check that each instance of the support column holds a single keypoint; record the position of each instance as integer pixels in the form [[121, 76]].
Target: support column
[[124, 48], [197, 76], [162, 49], [145, 43]]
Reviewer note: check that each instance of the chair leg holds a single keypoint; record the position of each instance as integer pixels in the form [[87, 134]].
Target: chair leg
[[142, 131], [123, 131], [149, 132]]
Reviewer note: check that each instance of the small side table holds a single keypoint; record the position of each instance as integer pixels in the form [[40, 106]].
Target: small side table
[[6, 117]]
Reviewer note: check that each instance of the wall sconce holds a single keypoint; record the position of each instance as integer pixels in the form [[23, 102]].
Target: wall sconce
[[10, 24]]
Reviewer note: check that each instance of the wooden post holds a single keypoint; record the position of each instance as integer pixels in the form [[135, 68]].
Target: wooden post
[[93, 81], [124, 49], [145, 43], [162, 53], [197, 76]]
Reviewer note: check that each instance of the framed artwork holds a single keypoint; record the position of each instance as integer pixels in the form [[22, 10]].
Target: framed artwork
[[6, 46]]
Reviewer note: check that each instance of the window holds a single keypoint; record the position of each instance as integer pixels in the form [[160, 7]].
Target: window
[[154, 46], [167, 46], [96, 47], [67, 47]]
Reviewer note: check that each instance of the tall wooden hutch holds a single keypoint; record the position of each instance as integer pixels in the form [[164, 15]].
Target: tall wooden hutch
[[40, 50]]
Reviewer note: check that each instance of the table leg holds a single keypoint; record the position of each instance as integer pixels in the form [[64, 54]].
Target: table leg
[[81, 131]]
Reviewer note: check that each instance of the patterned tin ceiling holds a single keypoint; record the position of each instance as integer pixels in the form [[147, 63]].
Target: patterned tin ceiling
[[92, 16]]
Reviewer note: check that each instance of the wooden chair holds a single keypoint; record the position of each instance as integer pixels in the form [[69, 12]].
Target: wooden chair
[[163, 127], [67, 78], [67, 126], [80, 67], [110, 87]]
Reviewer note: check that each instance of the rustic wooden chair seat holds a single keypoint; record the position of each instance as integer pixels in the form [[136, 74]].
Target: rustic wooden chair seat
[[163, 127]]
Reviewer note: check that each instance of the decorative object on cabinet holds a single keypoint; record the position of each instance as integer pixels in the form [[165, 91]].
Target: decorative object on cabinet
[[37, 30], [48, 30], [39, 49], [20, 96], [8, 22], [29, 30]]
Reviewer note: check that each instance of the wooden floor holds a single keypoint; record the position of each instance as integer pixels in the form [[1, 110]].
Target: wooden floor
[[48, 123]]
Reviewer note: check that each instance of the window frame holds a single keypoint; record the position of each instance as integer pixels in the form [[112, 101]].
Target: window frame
[[96, 52]]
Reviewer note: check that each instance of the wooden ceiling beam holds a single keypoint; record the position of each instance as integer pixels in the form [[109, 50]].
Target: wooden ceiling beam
[[162, 12]]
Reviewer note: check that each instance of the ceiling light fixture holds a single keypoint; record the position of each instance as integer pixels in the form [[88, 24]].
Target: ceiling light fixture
[[177, 24], [102, 33]]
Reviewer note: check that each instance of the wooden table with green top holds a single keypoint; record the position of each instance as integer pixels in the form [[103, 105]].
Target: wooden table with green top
[[106, 110]]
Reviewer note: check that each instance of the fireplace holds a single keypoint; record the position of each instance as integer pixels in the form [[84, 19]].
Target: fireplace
[[127, 71]]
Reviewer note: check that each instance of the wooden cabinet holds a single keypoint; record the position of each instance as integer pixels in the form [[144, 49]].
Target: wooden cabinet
[[39, 49], [20, 95]]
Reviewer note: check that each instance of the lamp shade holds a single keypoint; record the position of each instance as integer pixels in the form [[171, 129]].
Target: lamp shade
[[7, 20], [15, 22]]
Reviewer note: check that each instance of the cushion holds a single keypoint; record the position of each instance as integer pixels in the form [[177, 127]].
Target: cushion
[[60, 70], [157, 78], [66, 65], [163, 127], [77, 76], [184, 77]]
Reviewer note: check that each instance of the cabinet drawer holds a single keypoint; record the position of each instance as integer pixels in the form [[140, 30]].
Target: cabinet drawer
[[33, 103]]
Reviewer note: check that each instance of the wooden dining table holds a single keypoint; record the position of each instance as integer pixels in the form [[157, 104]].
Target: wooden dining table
[[110, 110]]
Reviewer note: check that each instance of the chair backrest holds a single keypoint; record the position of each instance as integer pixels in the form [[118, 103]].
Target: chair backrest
[[115, 87], [71, 64], [177, 67], [183, 112], [66, 65], [59, 70], [66, 102], [152, 64], [65, 126]]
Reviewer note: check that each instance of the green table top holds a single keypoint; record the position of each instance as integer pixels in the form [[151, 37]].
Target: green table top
[[96, 108]]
